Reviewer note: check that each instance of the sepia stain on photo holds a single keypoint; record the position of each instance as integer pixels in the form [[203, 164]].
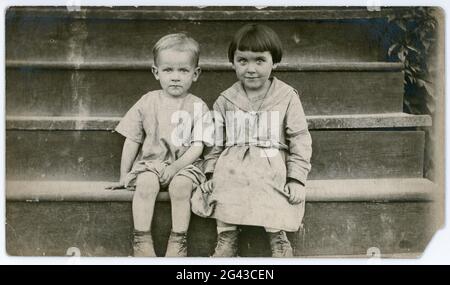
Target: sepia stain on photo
[[224, 131]]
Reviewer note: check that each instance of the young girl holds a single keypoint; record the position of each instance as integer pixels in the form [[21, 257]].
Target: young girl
[[260, 172], [169, 126]]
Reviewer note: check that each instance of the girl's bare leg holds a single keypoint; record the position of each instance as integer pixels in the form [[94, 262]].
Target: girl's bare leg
[[227, 240]]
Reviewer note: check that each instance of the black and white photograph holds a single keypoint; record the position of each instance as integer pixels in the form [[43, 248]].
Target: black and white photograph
[[290, 132]]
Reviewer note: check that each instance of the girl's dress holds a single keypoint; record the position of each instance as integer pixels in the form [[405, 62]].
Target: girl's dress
[[166, 126], [263, 148]]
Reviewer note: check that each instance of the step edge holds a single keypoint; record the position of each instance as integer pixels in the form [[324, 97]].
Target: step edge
[[206, 66], [198, 13], [342, 190], [384, 257], [316, 122]]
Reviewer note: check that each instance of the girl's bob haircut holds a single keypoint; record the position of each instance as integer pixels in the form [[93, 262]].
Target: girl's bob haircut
[[256, 38]]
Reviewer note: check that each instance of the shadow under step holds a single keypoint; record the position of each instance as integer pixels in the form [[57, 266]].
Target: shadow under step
[[395, 216]]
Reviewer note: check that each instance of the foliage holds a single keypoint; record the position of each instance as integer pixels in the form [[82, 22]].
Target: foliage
[[413, 42]]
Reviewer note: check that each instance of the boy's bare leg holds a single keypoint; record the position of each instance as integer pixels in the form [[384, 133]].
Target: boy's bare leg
[[147, 188], [180, 190]]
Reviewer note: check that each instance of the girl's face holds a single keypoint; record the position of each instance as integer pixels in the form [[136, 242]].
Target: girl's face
[[253, 69]]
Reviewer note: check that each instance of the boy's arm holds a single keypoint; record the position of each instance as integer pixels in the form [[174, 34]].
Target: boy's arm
[[129, 152], [191, 155]]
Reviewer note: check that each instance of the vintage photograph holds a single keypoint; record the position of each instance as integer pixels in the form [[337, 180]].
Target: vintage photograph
[[182, 131]]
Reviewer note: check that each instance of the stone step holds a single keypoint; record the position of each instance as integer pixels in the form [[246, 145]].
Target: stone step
[[352, 34], [110, 89], [103, 226], [357, 121], [337, 154], [229, 13], [333, 190]]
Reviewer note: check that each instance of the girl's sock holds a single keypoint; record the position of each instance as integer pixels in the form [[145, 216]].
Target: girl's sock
[[225, 229], [271, 230]]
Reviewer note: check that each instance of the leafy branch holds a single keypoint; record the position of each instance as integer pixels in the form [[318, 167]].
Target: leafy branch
[[413, 41]]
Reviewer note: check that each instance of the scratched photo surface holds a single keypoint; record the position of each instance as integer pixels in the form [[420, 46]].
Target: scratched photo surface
[[371, 85]]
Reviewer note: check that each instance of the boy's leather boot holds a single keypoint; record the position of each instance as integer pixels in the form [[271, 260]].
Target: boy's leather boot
[[177, 245], [280, 245], [143, 244], [227, 244]]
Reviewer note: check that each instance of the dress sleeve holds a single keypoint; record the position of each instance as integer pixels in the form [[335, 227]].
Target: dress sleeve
[[131, 125], [213, 152], [203, 127], [299, 141]]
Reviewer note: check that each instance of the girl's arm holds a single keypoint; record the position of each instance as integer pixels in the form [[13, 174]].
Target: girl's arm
[[299, 142], [298, 159], [213, 153], [129, 152]]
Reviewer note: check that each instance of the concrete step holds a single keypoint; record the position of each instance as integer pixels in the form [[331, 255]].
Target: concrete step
[[352, 34], [229, 13], [60, 215], [337, 154], [357, 121], [110, 89], [333, 190]]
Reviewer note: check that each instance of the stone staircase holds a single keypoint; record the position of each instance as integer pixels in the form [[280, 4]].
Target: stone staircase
[[71, 76]]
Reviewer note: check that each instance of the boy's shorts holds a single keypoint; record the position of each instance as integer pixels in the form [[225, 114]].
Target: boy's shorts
[[191, 171]]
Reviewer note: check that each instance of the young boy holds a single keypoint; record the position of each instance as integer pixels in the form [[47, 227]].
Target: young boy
[[170, 126]]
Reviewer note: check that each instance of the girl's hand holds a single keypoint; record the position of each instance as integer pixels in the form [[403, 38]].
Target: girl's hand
[[168, 174], [207, 187], [297, 192], [116, 186]]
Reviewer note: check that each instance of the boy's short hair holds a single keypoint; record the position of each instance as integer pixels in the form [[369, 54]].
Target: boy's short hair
[[180, 42], [256, 38]]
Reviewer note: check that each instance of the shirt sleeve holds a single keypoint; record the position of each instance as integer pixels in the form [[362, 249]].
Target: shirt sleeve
[[213, 152], [131, 125], [203, 127], [299, 141]]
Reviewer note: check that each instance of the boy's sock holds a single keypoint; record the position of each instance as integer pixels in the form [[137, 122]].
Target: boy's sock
[[225, 229], [143, 244], [177, 244]]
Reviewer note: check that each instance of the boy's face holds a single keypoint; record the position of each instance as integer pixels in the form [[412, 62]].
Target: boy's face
[[175, 71], [253, 69]]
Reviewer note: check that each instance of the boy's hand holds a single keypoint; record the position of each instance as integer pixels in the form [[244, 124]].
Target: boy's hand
[[297, 192], [207, 187], [116, 186], [168, 174]]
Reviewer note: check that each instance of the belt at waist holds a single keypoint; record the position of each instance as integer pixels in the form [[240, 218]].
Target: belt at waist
[[263, 144]]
